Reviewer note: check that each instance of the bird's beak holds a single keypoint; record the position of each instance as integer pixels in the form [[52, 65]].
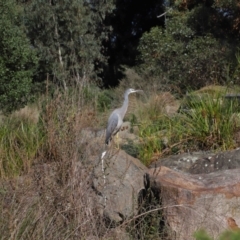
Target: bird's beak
[[139, 90]]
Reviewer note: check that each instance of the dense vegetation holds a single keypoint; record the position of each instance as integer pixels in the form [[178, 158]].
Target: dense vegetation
[[76, 42], [18, 59], [61, 59]]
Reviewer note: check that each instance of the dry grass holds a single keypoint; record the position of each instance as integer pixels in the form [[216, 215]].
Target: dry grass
[[43, 205], [158, 104], [218, 89], [148, 84], [30, 113], [54, 198]]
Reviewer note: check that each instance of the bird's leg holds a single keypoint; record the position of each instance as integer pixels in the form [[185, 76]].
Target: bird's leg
[[117, 140]]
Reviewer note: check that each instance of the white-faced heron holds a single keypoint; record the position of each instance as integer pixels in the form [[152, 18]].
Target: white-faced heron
[[115, 120]]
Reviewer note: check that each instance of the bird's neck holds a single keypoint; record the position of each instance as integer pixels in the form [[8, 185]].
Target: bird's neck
[[124, 106]]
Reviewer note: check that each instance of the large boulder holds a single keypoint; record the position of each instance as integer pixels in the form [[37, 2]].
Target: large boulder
[[204, 192], [201, 162], [117, 181]]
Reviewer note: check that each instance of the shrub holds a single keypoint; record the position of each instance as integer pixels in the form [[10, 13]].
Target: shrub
[[17, 60], [176, 55]]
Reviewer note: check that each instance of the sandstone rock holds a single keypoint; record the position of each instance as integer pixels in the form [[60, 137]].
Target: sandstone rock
[[183, 162], [201, 162], [125, 134], [113, 233], [194, 201], [217, 162], [123, 181], [91, 142]]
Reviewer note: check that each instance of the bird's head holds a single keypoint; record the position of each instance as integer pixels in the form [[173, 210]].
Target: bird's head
[[131, 90]]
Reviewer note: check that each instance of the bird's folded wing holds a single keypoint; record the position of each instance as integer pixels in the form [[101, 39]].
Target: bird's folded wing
[[112, 127]]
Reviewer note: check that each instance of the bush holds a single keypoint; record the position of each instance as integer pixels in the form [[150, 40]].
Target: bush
[[17, 60], [178, 56]]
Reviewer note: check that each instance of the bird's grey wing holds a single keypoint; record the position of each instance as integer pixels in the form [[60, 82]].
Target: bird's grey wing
[[111, 127]]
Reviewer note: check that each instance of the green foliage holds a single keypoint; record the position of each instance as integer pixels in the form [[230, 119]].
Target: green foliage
[[104, 100], [230, 235], [17, 60], [178, 55], [227, 235], [68, 36], [164, 133], [202, 235]]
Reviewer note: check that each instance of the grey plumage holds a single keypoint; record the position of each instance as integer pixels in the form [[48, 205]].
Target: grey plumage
[[115, 120]]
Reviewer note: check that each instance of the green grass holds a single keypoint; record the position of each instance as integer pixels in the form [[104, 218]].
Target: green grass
[[210, 122], [227, 235], [20, 140], [206, 123]]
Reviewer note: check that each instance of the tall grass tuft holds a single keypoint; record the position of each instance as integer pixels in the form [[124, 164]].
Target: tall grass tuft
[[206, 122], [20, 141], [209, 122]]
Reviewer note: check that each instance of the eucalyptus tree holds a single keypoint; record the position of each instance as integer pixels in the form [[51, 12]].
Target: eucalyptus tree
[[68, 36]]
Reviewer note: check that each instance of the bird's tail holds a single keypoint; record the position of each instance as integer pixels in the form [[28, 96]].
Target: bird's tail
[[103, 154]]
